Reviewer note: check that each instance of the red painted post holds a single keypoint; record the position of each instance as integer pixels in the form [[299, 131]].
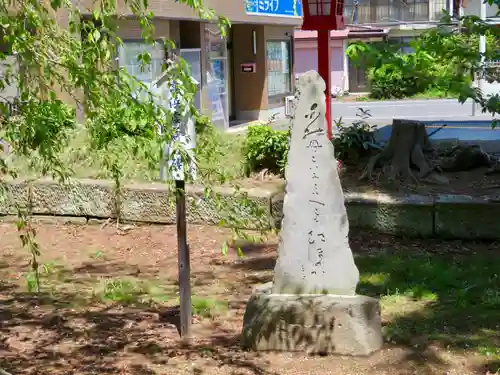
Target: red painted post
[[324, 51]]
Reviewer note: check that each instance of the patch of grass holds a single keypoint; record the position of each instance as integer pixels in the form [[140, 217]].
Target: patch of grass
[[160, 295], [206, 307], [429, 94], [130, 292], [202, 306], [97, 254], [50, 273], [214, 149], [123, 291], [436, 94], [221, 154], [31, 282], [427, 297]]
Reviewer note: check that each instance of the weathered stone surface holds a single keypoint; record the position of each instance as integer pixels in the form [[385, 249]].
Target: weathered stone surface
[[11, 192], [316, 324], [235, 208], [449, 216], [77, 198], [314, 253], [155, 203], [466, 217], [42, 219], [411, 215], [400, 214], [151, 203], [311, 304]]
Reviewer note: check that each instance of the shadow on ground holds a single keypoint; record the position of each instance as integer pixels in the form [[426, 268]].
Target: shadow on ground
[[453, 299], [76, 327], [434, 293], [95, 341]]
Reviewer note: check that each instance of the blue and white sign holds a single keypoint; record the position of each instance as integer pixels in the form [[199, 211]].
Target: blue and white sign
[[184, 131], [279, 8]]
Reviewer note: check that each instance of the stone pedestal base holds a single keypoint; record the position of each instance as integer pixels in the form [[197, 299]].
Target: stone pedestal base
[[314, 323]]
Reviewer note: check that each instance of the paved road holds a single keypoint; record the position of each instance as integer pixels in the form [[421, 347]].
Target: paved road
[[462, 130], [459, 122], [383, 112]]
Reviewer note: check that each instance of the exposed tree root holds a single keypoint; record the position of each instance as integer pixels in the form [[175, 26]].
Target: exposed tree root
[[404, 157]]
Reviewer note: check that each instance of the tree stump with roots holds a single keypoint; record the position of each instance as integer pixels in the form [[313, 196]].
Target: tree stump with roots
[[404, 157]]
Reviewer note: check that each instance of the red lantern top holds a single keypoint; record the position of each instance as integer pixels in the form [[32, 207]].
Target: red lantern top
[[323, 15]]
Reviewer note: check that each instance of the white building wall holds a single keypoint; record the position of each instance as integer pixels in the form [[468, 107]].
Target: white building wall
[[474, 8]]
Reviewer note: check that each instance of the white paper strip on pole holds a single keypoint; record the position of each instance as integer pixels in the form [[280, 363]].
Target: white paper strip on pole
[[184, 131]]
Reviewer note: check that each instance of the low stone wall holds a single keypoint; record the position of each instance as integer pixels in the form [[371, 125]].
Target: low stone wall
[[148, 203], [446, 216], [465, 217]]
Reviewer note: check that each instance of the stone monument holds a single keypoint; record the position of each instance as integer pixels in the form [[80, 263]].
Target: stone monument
[[312, 304]]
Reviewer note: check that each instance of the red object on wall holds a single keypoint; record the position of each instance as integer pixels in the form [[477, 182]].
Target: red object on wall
[[323, 15]]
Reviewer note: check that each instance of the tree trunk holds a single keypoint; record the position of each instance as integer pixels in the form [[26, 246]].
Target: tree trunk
[[404, 156]]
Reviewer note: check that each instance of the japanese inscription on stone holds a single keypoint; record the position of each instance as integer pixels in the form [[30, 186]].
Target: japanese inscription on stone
[[314, 253]]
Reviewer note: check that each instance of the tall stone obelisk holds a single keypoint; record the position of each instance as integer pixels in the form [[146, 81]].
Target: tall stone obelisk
[[312, 304]]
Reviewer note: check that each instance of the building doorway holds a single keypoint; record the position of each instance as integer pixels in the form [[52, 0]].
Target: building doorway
[[358, 81], [217, 75], [192, 56]]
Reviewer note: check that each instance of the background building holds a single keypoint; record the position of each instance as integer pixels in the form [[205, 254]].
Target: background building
[[370, 20], [244, 76]]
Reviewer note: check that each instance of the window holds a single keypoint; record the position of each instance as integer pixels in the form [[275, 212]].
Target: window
[[128, 54], [216, 74], [278, 68], [404, 41], [193, 59]]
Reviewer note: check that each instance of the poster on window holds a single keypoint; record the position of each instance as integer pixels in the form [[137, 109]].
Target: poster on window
[[216, 85], [278, 67]]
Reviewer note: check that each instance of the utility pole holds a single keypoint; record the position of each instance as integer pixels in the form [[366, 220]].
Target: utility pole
[[482, 46], [482, 51]]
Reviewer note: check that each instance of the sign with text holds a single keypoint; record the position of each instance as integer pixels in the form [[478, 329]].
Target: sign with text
[[280, 8], [248, 67]]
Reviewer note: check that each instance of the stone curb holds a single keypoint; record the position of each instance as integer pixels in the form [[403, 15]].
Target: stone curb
[[148, 203], [445, 216], [466, 217]]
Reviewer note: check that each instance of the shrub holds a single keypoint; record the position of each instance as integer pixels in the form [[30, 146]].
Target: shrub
[[203, 124], [394, 73], [214, 148], [265, 148], [353, 142], [406, 75], [392, 81]]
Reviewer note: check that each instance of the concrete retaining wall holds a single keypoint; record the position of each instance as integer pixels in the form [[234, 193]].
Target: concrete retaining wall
[[447, 216], [148, 203]]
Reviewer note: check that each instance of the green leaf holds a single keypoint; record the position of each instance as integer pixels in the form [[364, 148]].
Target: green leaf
[[225, 248]]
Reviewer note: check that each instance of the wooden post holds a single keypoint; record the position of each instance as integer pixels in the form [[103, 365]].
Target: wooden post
[[183, 260]]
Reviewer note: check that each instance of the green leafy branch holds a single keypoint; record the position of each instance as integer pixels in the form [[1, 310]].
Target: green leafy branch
[[65, 72]]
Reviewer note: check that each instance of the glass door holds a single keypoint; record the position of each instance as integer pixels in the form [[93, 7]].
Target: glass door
[[217, 75], [193, 59]]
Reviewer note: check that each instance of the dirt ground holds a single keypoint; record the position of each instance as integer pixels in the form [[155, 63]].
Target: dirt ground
[[475, 183], [58, 334]]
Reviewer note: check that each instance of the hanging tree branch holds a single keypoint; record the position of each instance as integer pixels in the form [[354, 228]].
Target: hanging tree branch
[[65, 66]]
